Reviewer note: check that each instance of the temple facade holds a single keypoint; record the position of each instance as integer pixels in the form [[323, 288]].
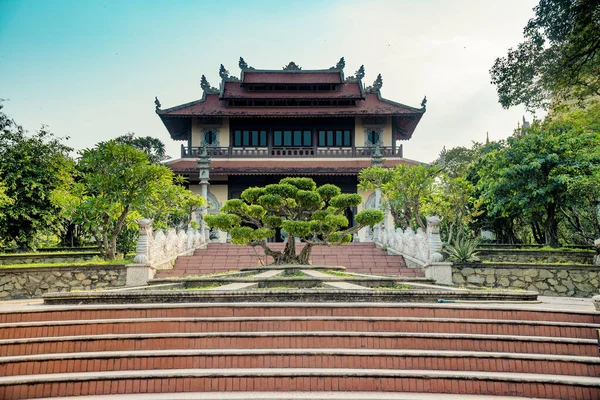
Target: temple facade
[[269, 124]]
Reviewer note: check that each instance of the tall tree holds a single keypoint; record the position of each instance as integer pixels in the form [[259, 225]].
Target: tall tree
[[31, 167], [559, 58], [117, 183], [536, 172], [154, 148]]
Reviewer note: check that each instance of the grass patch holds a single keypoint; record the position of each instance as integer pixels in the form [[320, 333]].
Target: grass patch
[[395, 287], [205, 287], [339, 273], [98, 261], [51, 253]]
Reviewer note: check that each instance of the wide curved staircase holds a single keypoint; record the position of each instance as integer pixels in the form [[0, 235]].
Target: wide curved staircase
[[356, 257], [337, 349]]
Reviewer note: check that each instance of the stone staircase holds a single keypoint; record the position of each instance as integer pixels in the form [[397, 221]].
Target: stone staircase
[[356, 257], [481, 350]]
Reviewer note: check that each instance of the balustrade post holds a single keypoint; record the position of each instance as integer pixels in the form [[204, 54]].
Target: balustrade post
[[141, 271], [437, 269]]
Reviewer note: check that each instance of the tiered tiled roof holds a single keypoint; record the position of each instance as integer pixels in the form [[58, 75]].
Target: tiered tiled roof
[[235, 90], [299, 77], [281, 167], [347, 98]]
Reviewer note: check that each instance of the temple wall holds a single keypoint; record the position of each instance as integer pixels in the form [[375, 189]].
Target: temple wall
[[223, 132], [224, 136], [387, 132], [359, 132], [195, 132]]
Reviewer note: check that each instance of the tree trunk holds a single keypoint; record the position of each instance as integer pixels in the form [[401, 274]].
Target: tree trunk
[[551, 226], [112, 252]]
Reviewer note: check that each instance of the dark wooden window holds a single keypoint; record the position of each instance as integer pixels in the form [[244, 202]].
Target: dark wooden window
[[292, 138], [210, 137], [250, 138], [373, 137], [335, 138]]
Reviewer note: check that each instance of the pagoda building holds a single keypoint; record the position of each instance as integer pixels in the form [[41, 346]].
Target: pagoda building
[[269, 124]]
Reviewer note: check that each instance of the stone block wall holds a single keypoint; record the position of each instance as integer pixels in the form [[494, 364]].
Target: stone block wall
[[41, 258], [548, 280], [536, 256], [25, 283]]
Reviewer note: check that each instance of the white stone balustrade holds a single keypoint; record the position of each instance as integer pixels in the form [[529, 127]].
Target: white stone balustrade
[[157, 250], [420, 249]]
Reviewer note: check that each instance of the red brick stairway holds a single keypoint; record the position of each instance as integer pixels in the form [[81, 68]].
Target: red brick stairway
[[257, 347], [356, 257]]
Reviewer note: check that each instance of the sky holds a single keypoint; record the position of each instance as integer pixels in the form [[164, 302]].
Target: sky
[[90, 69]]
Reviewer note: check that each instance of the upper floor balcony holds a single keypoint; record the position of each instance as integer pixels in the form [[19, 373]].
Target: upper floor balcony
[[290, 152]]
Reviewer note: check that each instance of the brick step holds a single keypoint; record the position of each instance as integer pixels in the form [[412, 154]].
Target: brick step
[[297, 324], [300, 358], [280, 395], [199, 310], [358, 257], [205, 380], [265, 340]]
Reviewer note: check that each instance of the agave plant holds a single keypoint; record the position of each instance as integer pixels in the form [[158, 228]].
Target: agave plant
[[462, 250]]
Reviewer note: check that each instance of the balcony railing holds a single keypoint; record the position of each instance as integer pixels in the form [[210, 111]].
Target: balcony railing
[[289, 152]]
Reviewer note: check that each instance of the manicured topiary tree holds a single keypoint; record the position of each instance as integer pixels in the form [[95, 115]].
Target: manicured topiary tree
[[296, 205]]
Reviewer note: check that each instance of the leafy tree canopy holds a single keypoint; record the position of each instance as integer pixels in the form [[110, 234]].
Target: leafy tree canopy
[[559, 58], [314, 214], [405, 188], [541, 172], [31, 167], [154, 148], [116, 184]]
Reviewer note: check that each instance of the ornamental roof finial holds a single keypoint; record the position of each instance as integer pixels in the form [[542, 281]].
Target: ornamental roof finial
[[292, 66], [377, 84], [243, 64], [424, 102], [157, 103], [205, 85], [340, 65], [487, 138], [223, 73]]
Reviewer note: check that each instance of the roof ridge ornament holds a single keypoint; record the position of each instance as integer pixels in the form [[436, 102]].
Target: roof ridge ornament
[[208, 89], [424, 103], [377, 84], [157, 103], [358, 75], [243, 64], [224, 74], [292, 66], [340, 65]]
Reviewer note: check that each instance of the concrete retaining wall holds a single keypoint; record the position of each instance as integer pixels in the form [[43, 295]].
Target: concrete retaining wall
[[24, 283]]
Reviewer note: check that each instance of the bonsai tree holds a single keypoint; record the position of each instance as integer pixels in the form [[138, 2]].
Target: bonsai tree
[[296, 205]]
